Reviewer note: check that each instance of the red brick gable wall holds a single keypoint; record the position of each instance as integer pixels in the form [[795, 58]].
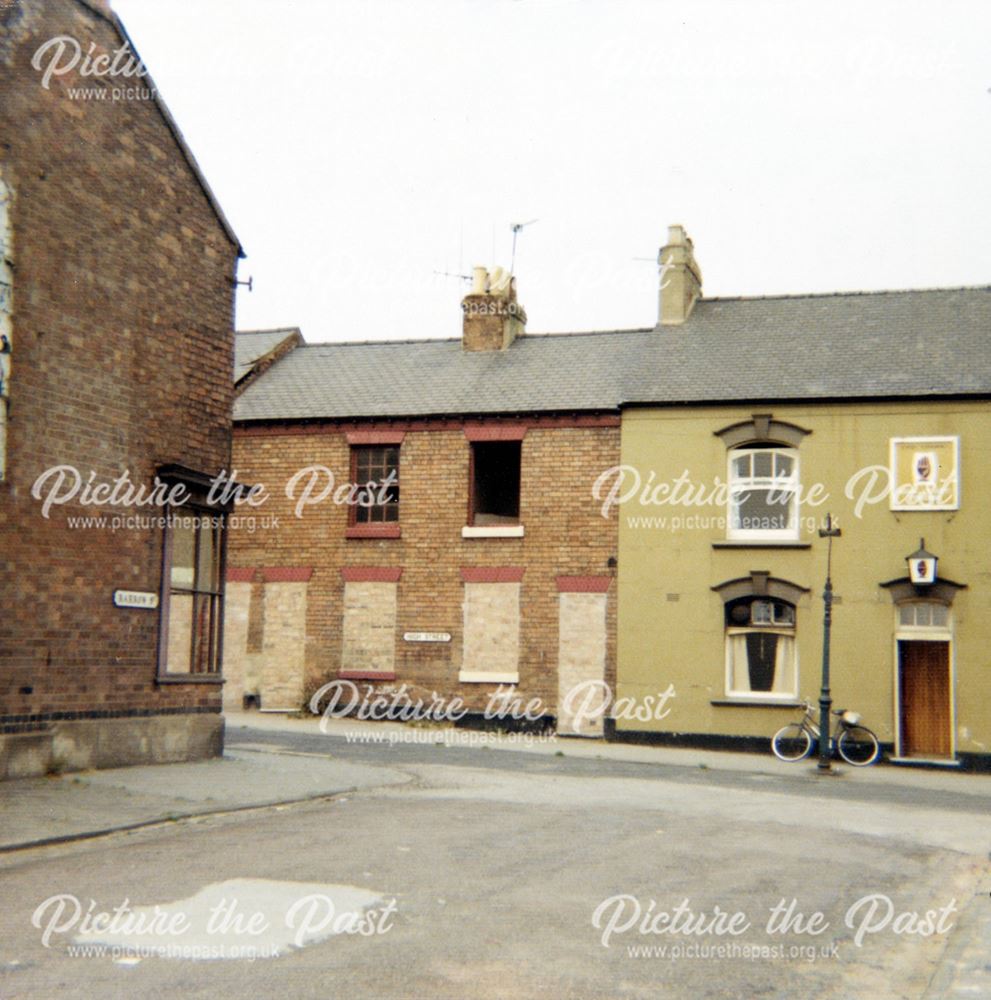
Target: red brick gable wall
[[122, 360]]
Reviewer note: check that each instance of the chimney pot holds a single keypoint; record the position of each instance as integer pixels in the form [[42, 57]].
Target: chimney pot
[[680, 278]]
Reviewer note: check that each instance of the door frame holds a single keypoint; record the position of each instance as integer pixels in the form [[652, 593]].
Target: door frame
[[917, 634]]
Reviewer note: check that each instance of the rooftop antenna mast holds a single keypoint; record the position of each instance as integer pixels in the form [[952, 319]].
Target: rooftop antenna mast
[[461, 260], [516, 227], [454, 274]]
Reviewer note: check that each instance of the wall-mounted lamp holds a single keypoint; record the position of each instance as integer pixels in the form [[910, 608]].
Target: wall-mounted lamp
[[922, 566]]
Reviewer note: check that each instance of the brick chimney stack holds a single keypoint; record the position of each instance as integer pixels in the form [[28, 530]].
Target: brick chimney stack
[[493, 318], [680, 278]]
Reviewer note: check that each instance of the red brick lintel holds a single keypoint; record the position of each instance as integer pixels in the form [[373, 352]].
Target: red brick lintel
[[495, 432], [492, 574], [375, 436], [583, 584], [371, 574], [393, 429]]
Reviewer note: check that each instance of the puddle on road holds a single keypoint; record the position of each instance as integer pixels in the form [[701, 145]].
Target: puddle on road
[[236, 919]]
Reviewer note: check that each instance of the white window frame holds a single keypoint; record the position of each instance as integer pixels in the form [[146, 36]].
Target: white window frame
[[935, 632], [768, 483], [790, 632]]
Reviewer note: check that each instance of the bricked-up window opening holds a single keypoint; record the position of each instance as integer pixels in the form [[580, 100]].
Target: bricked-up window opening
[[495, 482], [375, 470], [760, 648], [193, 605]]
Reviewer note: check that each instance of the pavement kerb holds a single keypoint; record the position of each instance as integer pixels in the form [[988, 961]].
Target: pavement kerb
[[166, 820], [384, 732]]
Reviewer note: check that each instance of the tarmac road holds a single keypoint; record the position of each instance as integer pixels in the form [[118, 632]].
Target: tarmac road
[[494, 873]]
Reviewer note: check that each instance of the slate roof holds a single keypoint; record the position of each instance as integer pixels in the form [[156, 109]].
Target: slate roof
[[251, 345], [862, 345]]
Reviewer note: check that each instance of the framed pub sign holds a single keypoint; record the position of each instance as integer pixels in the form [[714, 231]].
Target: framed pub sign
[[925, 473]]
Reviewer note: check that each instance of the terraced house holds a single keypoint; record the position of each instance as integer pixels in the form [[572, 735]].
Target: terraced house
[[478, 565], [756, 419]]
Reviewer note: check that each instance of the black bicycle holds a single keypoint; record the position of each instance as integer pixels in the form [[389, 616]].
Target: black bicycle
[[855, 743]]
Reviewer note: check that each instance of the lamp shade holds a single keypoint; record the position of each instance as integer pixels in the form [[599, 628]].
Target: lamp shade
[[922, 566]]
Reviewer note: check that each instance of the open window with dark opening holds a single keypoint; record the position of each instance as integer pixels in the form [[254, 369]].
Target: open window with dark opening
[[495, 483]]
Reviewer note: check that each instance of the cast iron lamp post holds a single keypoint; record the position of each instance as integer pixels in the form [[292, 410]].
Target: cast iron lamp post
[[825, 701]]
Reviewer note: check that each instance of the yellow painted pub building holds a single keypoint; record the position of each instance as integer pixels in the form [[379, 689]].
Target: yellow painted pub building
[[754, 420]]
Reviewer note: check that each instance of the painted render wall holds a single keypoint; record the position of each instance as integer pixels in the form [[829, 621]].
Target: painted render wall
[[671, 624]]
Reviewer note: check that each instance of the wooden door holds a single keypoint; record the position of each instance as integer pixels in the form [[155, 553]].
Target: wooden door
[[924, 709]]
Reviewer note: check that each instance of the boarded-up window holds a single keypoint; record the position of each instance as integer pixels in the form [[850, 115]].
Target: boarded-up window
[[369, 627], [491, 632], [581, 663]]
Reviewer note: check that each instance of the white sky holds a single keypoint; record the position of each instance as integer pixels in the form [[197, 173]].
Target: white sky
[[358, 147]]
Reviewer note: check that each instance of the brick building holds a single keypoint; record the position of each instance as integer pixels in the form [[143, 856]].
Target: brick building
[[481, 564], [116, 311]]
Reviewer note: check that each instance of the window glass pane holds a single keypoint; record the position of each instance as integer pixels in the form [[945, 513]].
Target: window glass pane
[[761, 661], [202, 633], [784, 465], [763, 463], [760, 612], [180, 633], [183, 552], [940, 615], [763, 510], [762, 648], [208, 556], [784, 614], [906, 614], [373, 468], [741, 467]]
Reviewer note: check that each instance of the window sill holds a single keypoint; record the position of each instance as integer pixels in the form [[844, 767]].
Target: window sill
[[788, 702], [189, 679], [756, 543], [495, 531], [373, 531], [365, 675], [478, 677]]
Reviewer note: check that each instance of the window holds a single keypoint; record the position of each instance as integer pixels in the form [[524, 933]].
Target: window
[[761, 660], [495, 483], [923, 614], [376, 471], [192, 608], [763, 495], [491, 647]]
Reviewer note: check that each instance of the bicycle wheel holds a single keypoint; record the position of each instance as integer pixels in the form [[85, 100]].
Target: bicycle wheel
[[793, 742], [858, 746]]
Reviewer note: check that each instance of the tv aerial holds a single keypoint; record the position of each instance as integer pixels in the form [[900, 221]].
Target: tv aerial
[[516, 227]]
